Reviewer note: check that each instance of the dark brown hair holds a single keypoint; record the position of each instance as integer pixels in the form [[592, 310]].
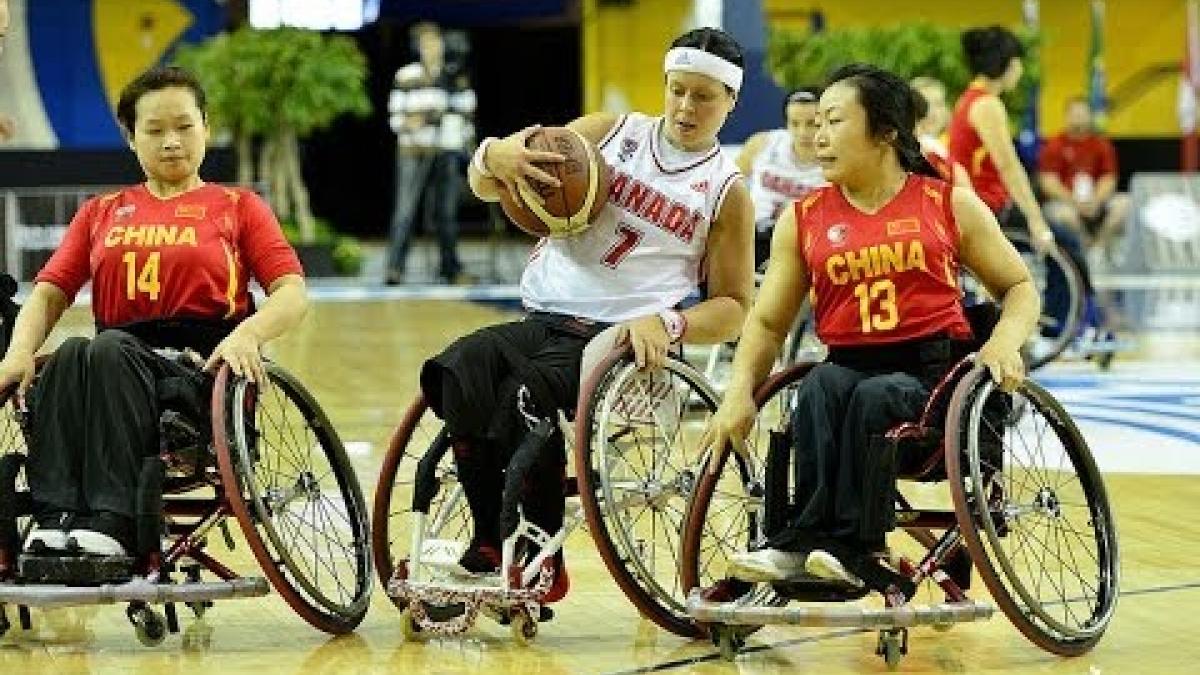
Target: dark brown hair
[[155, 79]]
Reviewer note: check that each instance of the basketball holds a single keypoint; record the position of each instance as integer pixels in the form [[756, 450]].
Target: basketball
[[568, 209]]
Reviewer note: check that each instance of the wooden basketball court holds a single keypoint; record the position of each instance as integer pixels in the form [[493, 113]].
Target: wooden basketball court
[[361, 360]]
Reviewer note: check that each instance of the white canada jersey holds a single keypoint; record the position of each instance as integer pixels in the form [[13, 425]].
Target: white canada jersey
[[645, 250], [777, 179]]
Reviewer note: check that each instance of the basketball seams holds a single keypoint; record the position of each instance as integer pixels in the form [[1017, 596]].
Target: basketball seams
[[573, 222]]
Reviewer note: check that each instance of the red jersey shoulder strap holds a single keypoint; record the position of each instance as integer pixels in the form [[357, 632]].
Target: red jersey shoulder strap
[[804, 209]]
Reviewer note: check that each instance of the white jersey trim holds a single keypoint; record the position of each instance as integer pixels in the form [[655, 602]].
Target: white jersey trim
[[662, 164]]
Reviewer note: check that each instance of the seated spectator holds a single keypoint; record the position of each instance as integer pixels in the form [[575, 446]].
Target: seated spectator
[[1077, 170]]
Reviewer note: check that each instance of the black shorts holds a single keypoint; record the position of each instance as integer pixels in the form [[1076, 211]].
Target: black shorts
[[472, 385]]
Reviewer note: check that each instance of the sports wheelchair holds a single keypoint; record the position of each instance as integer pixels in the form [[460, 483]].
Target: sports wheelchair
[[632, 480], [1064, 300], [1029, 511], [267, 456]]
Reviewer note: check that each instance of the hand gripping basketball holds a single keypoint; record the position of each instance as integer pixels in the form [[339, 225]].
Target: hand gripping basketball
[[556, 180]]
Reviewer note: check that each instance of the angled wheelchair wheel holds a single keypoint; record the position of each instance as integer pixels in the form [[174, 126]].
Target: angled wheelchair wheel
[[1033, 510], [12, 435], [636, 464], [1060, 283], [448, 517], [13, 443], [728, 514], [291, 486]]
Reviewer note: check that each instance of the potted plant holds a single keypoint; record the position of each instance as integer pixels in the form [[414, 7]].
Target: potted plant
[[269, 89], [801, 57]]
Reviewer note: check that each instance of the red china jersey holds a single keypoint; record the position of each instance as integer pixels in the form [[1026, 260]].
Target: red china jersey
[[966, 148], [886, 277], [189, 256]]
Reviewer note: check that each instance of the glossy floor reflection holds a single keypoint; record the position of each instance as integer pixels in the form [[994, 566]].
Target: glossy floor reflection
[[361, 359]]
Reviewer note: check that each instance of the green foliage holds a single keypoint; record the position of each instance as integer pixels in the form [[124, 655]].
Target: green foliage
[[259, 81], [798, 58], [348, 253], [281, 85]]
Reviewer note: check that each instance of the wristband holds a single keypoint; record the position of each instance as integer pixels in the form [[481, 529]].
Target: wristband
[[675, 323], [477, 160]]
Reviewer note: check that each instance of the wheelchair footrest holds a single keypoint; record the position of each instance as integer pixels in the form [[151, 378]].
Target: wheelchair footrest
[[448, 607], [444, 592], [816, 589], [852, 616], [137, 590], [74, 570]]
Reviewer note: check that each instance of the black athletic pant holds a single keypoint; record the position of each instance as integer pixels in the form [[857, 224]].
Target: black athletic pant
[[844, 476], [96, 409], [844, 482], [474, 385]]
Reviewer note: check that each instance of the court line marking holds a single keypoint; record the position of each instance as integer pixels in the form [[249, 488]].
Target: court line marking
[[680, 663]]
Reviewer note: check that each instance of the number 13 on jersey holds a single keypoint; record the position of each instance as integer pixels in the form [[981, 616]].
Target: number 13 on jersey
[[877, 305]]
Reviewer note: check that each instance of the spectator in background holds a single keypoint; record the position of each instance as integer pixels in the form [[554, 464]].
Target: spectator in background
[[932, 117], [1077, 171], [431, 108], [781, 165]]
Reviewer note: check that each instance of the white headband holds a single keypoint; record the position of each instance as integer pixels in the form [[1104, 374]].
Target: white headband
[[692, 60]]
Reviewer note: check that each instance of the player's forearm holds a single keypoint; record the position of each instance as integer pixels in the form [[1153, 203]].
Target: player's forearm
[[1053, 187], [715, 320], [284, 309], [1020, 309], [1013, 174], [37, 318]]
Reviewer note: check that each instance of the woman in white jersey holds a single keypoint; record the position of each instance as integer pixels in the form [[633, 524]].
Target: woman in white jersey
[[781, 165], [677, 211]]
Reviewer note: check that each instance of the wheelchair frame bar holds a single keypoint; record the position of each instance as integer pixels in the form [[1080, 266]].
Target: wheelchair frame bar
[[854, 616], [549, 545], [138, 590]]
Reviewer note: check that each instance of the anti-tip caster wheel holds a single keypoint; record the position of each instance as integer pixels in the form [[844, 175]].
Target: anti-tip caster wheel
[[728, 641], [408, 626], [524, 627], [149, 626], [892, 646]]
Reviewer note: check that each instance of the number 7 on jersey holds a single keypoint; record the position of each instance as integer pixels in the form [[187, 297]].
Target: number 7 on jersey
[[628, 237]]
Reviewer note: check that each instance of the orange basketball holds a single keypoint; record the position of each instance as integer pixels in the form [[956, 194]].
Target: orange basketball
[[569, 209]]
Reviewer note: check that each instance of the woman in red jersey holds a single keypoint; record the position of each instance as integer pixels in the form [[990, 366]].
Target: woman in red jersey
[[169, 260], [979, 138], [881, 248]]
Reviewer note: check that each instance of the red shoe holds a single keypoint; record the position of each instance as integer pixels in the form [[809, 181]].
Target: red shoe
[[480, 559], [562, 581]]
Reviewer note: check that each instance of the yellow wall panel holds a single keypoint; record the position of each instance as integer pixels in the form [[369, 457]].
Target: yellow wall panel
[[623, 52], [1138, 34]]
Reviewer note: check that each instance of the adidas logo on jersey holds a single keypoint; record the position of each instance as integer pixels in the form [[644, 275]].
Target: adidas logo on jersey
[[628, 147], [701, 187]]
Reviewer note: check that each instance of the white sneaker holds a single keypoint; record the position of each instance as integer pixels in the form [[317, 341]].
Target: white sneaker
[[826, 566], [766, 564], [46, 539], [94, 543]]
